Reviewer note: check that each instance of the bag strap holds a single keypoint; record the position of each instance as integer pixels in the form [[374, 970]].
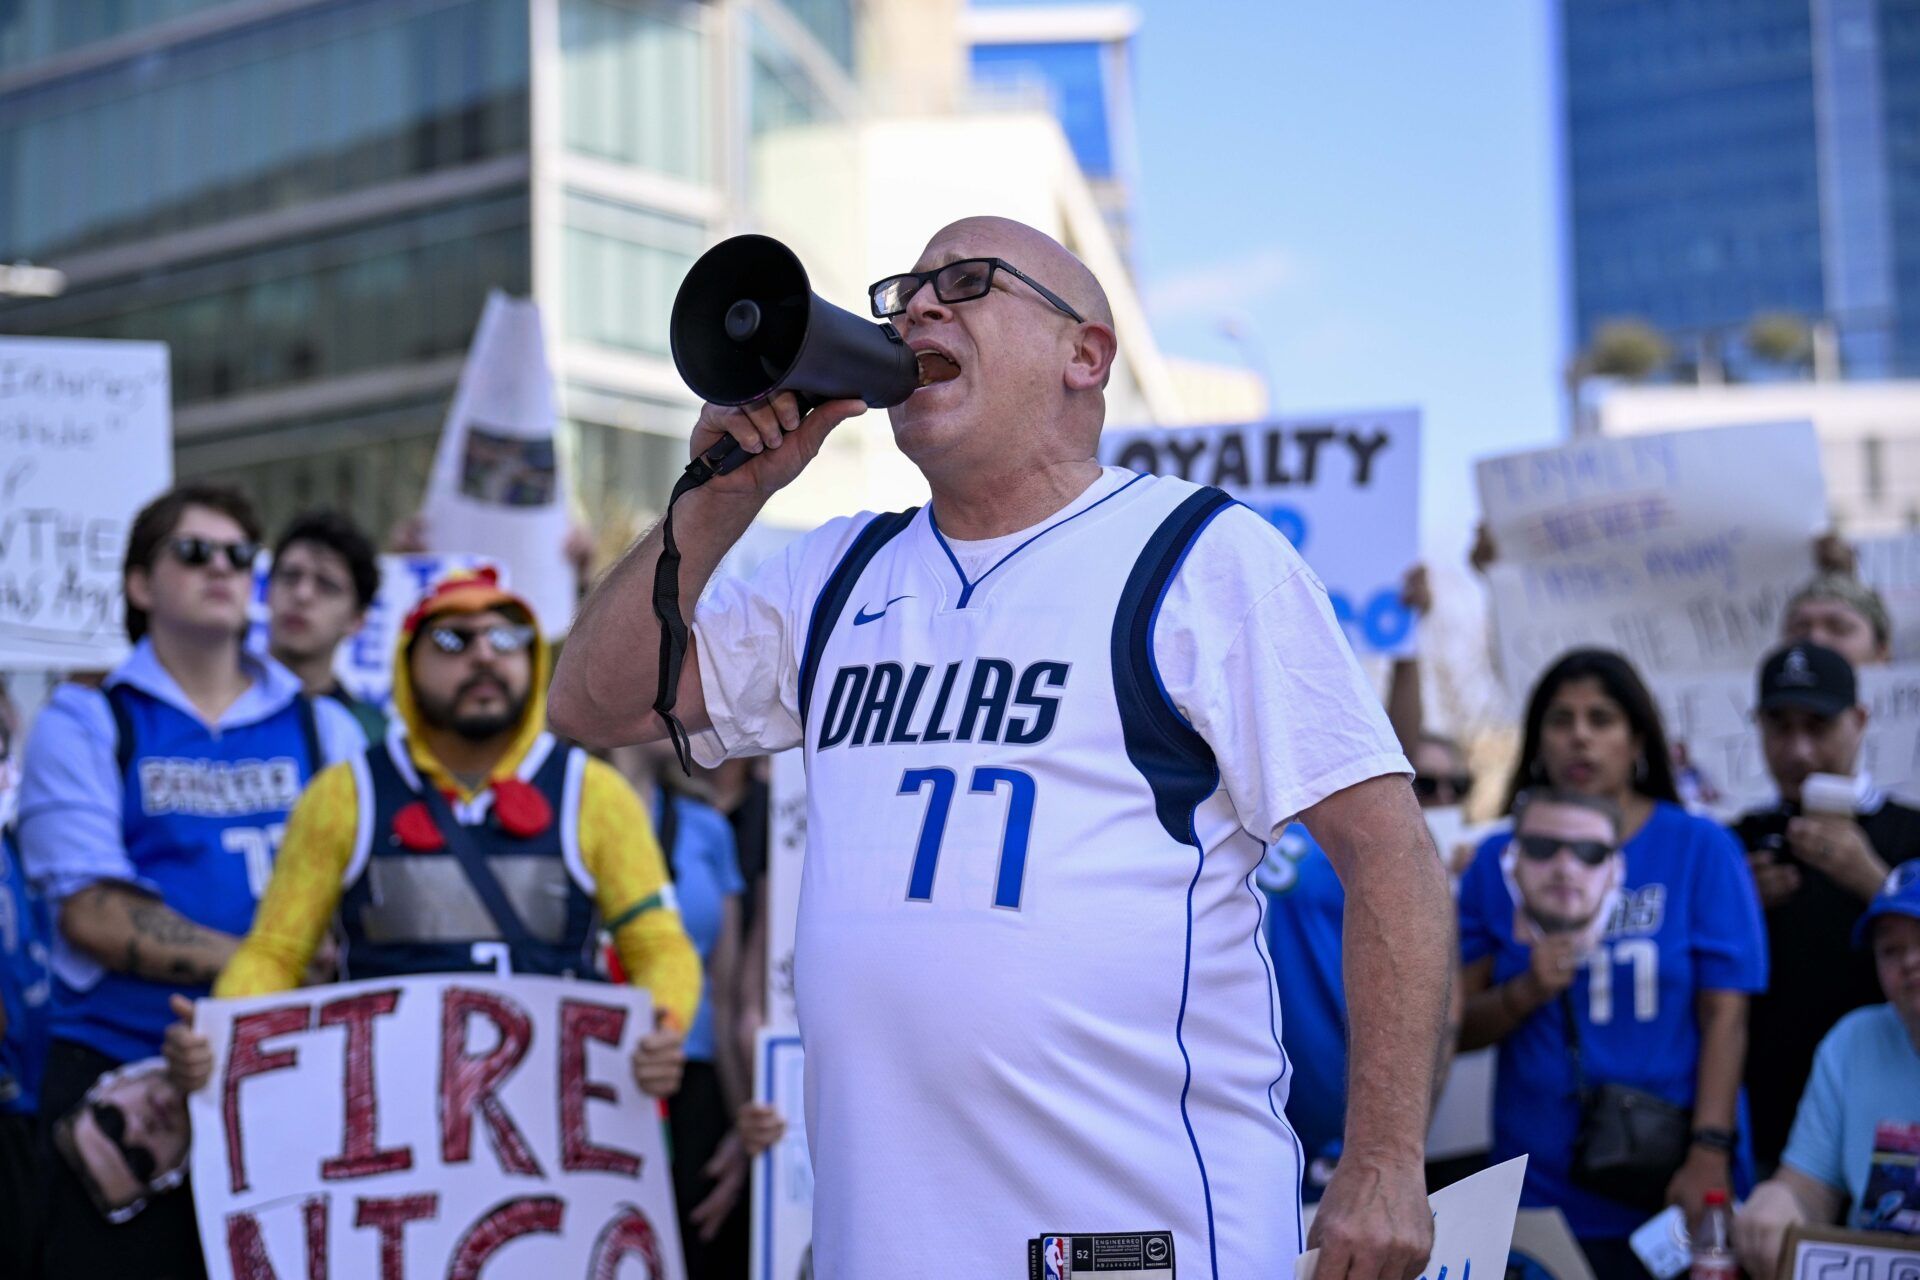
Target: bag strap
[[1573, 1042], [666, 829], [473, 861]]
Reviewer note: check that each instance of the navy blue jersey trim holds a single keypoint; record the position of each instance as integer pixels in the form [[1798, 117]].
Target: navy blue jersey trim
[[967, 588], [832, 602], [1176, 761], [123, 744]]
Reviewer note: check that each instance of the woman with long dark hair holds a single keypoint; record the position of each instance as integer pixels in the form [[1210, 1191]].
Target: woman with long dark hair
[[1641, 1011]]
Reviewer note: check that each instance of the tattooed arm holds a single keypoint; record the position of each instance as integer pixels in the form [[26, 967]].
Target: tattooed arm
[[130, 932]]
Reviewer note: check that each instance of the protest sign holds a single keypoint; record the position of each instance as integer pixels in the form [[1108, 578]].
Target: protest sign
[[497, 488], [1344, 488], [1829, 1253], [1710, 717], [86, 440], [783, 1175], [786, 857], [1678, 550], [1472, 1223], [433, 1126]]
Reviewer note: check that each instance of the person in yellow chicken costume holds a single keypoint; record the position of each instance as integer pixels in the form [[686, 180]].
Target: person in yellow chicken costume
[[471, 839]]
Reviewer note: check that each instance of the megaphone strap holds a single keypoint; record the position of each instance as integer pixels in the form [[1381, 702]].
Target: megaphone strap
[[666, 607]]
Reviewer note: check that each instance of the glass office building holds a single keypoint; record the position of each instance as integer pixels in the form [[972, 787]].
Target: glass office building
[[1727, 158], [309, 202]]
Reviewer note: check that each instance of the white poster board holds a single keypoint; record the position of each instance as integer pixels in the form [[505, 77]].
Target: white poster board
[[1828, 1253], [1891, 566], [434, 1126], [1678, 550], [1472, 1224], [86, 440], [497, 488], [1344, 488], [783, 1175], [786, 856]]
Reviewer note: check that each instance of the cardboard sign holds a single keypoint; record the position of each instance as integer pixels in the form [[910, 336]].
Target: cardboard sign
[[433, 1126], [1828, 1253], [1677, 550], [1472, 1225], [86, 440], [1891, 566], [497, 488], [1344, 489], [783, 1175]]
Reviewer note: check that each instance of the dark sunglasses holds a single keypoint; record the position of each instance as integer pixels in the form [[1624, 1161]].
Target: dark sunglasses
[[504, 638], [196, 552], [113, 1123], [1546, 848], [961, 281], [1427, 785]]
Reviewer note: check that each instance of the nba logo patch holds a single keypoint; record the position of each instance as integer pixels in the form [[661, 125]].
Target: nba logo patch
[[1053, 1257]]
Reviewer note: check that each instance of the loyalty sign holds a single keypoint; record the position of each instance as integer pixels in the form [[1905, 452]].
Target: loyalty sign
[[1344, 489], [431, 1127]]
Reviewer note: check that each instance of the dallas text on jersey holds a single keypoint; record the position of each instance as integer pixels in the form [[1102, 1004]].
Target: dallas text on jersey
[[871, 705]]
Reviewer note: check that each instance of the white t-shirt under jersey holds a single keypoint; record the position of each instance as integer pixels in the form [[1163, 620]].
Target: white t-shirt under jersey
[[1030, 965]]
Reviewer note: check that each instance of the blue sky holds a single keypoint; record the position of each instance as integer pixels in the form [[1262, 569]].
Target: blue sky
[[1372, 190]]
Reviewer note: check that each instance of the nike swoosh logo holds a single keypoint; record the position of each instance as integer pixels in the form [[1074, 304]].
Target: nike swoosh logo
[[861, 617]]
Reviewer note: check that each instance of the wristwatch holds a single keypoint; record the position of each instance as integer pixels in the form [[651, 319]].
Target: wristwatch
[[1721, 1140]]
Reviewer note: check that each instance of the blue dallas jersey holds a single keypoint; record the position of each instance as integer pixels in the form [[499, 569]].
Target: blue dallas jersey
[[1305, 908], [24, 985], [1688, 921], [202, 814]]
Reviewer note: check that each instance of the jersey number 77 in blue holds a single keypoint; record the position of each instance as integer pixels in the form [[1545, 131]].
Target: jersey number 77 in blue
[[1013, 841]]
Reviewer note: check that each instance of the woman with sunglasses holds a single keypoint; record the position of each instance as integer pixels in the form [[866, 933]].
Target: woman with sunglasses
[[1650, 998]]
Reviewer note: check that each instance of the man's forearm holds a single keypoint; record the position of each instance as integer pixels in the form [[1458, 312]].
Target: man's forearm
[[1398, 971], [606, 681], [130, 932]]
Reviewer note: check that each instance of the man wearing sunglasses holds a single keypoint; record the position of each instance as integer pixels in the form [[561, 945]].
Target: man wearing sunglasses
[[1052, 720], [150, 811], [471, 840]]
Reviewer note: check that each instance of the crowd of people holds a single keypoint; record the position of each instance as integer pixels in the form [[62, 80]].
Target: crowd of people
[[205, 819], [1679, 1007]]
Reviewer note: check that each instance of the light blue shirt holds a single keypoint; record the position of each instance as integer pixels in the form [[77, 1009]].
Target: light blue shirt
[[706, 872], [71, 790], [1866, 1071]]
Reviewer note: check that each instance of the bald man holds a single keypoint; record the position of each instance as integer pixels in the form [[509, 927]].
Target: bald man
[[1051, 721]]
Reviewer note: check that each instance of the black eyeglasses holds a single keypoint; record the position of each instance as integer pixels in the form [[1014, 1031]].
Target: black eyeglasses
[[1547, 848], [1427, 785], [113, 1123], [961, 281], [503, 637], [197, 552], [292, 579]]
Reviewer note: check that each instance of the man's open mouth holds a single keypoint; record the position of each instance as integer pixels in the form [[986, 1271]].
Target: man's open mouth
[[936, 366]]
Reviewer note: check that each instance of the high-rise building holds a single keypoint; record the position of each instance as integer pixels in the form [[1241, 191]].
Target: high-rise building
[[309, 200], [1729, 158]]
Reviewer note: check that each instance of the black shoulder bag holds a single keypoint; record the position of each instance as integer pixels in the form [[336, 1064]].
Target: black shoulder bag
[[1630, 1142]]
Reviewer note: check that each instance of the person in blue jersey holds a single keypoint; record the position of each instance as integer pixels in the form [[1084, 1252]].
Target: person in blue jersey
[[24, 992], [150, 810], [1656, 1003]]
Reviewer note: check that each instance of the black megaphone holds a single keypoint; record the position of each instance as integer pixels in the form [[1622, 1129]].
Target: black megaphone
[[746, 323]]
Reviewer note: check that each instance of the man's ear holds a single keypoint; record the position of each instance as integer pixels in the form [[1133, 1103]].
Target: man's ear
[[1094, 349]]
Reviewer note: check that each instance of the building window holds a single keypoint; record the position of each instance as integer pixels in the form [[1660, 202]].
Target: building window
[[622, 267], [634, 84], [1873, 461], [625, 474]]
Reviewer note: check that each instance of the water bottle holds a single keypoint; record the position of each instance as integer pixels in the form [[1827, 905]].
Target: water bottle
[[1712, 1241]]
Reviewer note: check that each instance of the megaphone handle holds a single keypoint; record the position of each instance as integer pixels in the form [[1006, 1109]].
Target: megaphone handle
[[726, 455]]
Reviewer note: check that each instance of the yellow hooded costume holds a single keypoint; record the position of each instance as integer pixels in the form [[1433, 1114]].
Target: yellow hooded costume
[[615, 840]]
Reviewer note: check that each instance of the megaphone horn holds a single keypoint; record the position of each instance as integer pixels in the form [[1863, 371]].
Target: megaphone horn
[[746, 324]]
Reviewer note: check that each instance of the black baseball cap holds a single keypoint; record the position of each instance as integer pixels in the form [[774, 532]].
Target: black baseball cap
[[1810, 677]]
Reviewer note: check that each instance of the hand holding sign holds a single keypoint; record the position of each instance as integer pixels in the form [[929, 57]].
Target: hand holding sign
[[1472, 1224]]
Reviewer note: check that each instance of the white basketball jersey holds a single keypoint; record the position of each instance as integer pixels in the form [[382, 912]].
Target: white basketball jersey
[[1029, 963]]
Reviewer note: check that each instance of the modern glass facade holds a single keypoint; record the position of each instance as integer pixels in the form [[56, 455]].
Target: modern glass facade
[[1073, 76], [310, 201], [1727, 158]]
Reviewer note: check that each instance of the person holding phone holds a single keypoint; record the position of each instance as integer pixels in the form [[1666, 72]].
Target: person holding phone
[[1817, 855]]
